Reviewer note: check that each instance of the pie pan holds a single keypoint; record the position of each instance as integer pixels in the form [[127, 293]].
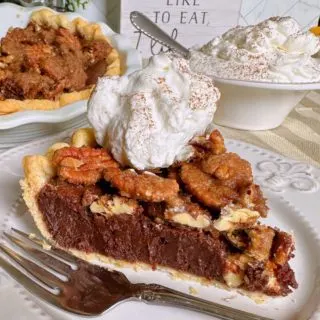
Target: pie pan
[[26, 125]]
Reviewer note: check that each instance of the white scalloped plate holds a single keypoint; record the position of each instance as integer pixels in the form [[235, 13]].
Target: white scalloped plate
[[293, 192], [12, 15]]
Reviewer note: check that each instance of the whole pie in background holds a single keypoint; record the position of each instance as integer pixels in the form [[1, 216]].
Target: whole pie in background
[[53, 62]]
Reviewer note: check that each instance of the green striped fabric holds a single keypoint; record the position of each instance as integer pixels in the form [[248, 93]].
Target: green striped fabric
[[297, 138]]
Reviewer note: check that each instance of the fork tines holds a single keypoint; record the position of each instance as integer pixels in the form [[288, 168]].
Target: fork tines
[[47, 283]]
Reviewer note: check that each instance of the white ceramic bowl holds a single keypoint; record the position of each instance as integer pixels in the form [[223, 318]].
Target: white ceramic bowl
[[27, 125], [250, 105]]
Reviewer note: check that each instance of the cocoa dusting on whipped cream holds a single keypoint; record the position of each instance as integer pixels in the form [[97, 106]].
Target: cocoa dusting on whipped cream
[[146, 119], [275, 50]]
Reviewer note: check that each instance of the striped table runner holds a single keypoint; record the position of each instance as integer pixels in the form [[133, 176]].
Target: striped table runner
[[297, 138]]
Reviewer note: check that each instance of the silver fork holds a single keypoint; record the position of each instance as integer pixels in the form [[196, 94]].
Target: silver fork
[[89, 290]]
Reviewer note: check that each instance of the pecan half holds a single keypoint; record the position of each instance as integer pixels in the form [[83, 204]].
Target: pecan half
[[145, 186], [82, 165], [214, 144]]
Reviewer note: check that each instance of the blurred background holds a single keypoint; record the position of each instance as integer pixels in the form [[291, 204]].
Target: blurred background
[[211, 17], [220, 16], [306, 12]]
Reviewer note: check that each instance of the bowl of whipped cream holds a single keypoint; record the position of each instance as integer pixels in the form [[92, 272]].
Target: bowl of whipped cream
[[262, 71]]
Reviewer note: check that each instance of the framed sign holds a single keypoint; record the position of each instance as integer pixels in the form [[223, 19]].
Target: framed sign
[[191, 22]]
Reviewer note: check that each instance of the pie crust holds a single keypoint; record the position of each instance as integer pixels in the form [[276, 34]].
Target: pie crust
[[90, 31], [38, 170]]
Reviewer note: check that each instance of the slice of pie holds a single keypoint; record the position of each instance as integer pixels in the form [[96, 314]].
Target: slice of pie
[[52, 62], [197, 219]]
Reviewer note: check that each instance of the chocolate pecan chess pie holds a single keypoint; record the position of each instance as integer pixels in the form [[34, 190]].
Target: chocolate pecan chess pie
[[52, 62], [198, 218]]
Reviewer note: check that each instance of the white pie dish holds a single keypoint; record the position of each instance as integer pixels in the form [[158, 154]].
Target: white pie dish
[[19, 124], [292, 189], [251, 105]]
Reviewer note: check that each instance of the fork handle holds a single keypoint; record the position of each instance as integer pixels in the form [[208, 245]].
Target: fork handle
[[155, 294]]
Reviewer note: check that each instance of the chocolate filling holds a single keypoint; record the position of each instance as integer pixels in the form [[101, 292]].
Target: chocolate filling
[[138, 238]]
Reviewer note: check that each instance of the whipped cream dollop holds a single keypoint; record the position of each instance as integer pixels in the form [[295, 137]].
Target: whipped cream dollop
[[146, 119], [274, 50]]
